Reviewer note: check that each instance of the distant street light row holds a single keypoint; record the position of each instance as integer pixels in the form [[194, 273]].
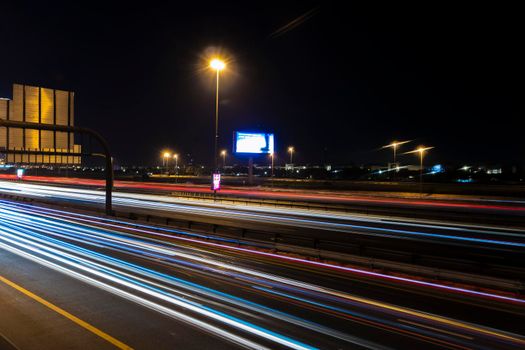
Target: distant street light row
[[394, 145], [166, 156]]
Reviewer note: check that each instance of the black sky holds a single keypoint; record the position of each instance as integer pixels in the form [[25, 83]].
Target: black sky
[[342, 83]]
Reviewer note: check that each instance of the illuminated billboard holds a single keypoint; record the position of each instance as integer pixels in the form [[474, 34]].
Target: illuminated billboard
[[253, 142]]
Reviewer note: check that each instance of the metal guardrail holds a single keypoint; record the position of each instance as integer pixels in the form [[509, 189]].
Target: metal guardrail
[[516, 219]]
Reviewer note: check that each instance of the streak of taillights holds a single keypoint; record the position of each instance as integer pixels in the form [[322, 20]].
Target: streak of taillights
[[116, 224]]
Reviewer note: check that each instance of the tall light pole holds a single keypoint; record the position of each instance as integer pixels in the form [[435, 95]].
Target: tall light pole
[[217, 65], [271, 156], [291, 149], [176, 157], [395, 146], [421, 150], [166, 160], [223, 154]]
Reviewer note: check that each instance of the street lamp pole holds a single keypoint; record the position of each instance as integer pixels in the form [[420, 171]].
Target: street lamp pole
[[216, 120], [421, 152], [176, 157], [223, 154], [394, 147], [271, 155], [217, 65], [290, 149], [166, 161]]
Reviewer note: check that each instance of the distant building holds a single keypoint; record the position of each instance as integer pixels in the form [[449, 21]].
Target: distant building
[[38, 105], [494, 171]]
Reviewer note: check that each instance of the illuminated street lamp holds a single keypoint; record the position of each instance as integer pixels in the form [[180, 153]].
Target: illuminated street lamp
[[217, 65], [223, 154], [395, 145], [165, 160], [421, 150], [291, 149], [176, 157]]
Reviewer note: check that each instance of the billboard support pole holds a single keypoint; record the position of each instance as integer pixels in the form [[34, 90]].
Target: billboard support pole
[[67, 128], [250, 171]]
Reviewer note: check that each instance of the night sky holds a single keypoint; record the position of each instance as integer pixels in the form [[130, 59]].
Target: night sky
[[337, 83]]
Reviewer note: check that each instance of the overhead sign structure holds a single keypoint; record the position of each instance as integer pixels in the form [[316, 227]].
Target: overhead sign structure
[[253, 143]]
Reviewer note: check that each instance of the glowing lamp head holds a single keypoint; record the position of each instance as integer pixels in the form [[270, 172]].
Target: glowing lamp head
[[217, 64], [175, 156], [223, 153], [290, 149], [166, 155]]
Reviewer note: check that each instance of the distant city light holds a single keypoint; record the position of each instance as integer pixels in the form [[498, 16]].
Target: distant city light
[[438, 168], [494, 171]]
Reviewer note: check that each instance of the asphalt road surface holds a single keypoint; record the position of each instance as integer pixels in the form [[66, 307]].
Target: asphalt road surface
[[76, 281]]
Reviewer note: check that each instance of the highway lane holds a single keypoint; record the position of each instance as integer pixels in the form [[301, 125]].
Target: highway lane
[[452, 202], [486, 237], [28, 324], [236, 296]]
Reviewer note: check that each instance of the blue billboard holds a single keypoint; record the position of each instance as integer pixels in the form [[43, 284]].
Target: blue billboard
[[252, 142]]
